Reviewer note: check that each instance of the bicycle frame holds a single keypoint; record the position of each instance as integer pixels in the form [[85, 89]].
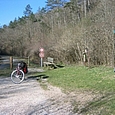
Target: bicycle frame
[[18, 69], [17, 76]]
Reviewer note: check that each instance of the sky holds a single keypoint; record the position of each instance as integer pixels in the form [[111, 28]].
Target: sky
[[11, 9]]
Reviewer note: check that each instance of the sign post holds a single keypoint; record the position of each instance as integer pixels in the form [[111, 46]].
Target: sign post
[[41, 62], [41, 55]]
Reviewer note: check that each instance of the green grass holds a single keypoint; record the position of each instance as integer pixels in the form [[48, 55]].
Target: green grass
[[99, 80], [72, 78], [5, 72]]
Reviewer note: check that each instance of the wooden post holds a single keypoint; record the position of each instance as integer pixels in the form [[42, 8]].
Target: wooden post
[[28, 60], [11, 62], [86, 57]]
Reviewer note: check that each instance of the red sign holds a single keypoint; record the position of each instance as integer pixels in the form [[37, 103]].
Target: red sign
[[41, 50], [41, 54]]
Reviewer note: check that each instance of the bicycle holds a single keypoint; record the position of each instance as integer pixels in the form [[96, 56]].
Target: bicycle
[[18, 75]]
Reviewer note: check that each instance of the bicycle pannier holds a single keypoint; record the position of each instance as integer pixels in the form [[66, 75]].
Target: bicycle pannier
[[24, 67]]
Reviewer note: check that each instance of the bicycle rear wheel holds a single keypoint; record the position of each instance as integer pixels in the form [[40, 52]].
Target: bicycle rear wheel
[[17, 76]]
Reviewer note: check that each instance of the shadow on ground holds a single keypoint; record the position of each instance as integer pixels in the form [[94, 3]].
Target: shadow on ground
[[100, 103], [38, 77]]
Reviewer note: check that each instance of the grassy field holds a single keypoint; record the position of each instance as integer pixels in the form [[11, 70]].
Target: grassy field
[[72, 78], [99, 80], [5, 72]]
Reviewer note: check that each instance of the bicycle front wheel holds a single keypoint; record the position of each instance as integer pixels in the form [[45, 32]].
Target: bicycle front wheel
[[17, 76]]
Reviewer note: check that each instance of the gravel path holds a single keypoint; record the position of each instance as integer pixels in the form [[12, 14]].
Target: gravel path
[[28, 98]]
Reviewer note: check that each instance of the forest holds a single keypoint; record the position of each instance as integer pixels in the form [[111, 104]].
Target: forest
[[64, 29]]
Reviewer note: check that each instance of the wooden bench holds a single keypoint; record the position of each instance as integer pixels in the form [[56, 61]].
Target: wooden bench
[[50, 63]]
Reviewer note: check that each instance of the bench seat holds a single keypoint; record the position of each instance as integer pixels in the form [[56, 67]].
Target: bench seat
[[50, 63]]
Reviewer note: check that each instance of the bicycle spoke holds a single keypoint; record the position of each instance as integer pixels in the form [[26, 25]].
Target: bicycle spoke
[[17, 77]]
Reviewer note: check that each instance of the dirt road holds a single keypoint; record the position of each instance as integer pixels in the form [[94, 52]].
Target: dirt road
[[28, 98]]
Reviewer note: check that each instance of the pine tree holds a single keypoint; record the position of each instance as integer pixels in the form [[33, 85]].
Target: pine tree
[[28, 11]]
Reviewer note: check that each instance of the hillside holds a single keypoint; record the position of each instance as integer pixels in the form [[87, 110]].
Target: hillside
[[64, 31]]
